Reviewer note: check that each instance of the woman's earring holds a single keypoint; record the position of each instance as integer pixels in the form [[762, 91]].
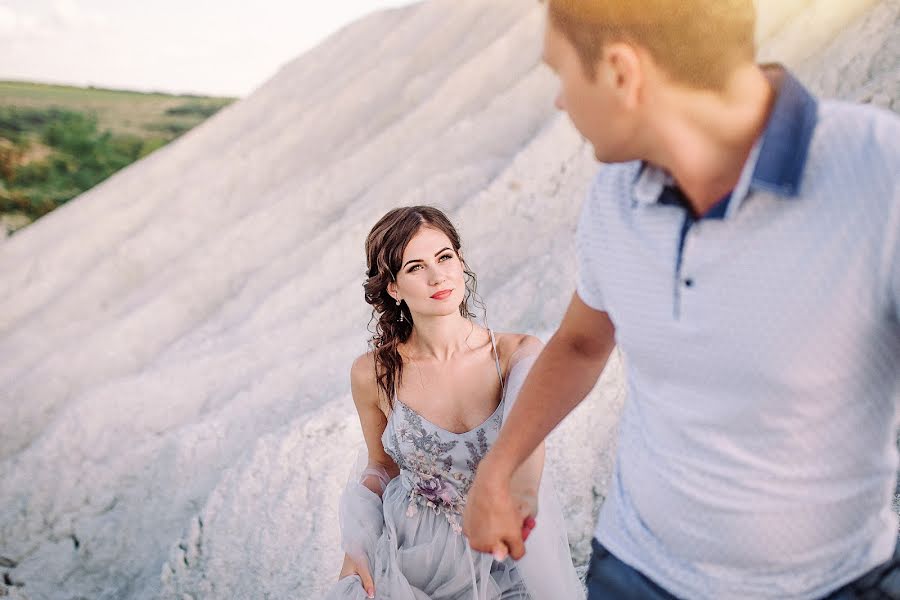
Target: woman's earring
[[401, 312]]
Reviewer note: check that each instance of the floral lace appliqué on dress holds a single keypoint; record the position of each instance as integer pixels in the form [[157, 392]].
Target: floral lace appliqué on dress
[[437, 466]]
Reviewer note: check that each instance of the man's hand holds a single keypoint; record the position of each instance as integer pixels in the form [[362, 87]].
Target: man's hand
[[494, 519]]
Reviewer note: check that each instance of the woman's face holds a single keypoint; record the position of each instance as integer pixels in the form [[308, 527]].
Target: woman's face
[[431, 279]]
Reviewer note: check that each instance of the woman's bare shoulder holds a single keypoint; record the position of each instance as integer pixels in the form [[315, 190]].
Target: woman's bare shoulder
[[512, 341], [512, 346], [363, 379]]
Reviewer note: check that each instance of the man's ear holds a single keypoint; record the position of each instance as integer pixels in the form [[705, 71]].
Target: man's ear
[[622, 66]]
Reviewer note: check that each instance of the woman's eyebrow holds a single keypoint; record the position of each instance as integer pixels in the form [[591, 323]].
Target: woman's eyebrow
[[415, 260]]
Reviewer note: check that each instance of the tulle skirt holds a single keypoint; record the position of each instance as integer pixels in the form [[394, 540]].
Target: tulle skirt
[[420, 556]]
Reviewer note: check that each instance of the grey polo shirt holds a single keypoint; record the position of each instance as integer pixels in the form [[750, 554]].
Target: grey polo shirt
[[757, 454]]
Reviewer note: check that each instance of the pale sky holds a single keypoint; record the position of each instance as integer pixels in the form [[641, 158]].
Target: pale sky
[[217, 47]]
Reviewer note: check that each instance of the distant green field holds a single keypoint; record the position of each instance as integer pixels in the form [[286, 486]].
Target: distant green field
[[58, 141], [118, 111]]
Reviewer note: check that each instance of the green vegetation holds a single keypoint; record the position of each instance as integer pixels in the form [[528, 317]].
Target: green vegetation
[[58, 141], [199, 109]]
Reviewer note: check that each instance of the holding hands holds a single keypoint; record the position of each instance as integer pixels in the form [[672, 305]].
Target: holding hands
[[500, 512]]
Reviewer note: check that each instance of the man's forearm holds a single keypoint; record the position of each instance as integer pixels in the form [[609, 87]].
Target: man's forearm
[[561, 377]]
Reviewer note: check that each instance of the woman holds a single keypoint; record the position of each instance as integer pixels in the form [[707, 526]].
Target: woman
[[431, 397]]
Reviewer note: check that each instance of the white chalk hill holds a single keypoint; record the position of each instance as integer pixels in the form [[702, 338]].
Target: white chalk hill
[[175, 418]]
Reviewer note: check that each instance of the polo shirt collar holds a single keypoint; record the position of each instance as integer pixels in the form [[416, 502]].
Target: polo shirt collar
[[778, 157]]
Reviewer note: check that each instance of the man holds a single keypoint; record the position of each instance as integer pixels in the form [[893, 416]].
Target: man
[[744, 252]]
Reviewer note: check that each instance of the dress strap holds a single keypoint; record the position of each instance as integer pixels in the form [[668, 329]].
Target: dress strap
[[496, 358]]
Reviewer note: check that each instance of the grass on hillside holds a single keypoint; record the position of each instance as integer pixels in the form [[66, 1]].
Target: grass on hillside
[[119, 111], [58, 141]]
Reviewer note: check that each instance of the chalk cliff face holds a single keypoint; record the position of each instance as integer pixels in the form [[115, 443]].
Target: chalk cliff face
[[175, 343]]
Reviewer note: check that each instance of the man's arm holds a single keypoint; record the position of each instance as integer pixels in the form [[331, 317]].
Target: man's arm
[[562, 376]]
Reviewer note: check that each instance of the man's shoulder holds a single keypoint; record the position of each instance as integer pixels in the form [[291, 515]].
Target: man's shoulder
[[849, 126], [864, 112], [855, 148]]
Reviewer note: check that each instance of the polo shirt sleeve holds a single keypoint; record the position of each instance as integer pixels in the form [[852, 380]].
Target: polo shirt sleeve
[[588, 248]]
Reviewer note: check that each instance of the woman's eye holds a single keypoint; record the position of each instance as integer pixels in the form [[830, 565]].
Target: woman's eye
[[442, 258]]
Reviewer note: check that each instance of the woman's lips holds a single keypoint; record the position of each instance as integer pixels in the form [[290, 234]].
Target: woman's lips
[[441, 294]]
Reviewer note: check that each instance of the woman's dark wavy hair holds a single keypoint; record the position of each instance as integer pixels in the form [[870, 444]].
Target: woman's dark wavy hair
[[384, 255]]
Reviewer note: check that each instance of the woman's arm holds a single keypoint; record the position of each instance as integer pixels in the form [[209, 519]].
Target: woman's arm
[[357, 510], [525, 482], [367, 398]]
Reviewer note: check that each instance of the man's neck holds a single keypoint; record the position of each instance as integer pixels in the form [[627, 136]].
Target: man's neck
[[703, 139]]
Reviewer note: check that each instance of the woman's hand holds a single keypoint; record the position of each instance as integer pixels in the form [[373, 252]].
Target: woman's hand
[[527, 503], [350, 567]]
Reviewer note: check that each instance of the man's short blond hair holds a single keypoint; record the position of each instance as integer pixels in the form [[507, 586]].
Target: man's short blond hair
[[697, 42]]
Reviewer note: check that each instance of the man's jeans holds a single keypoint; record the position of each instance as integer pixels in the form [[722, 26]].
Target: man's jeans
[[608, 578]]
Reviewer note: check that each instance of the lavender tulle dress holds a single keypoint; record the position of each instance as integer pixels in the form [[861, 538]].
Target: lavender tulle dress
[[419, 552]]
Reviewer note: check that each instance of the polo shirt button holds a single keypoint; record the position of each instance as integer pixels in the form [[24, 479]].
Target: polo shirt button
[[688, 282]]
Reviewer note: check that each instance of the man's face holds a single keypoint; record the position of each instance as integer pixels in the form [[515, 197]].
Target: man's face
[[597, 106]]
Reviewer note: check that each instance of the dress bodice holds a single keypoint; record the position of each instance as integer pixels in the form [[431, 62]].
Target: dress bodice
[[437, 467]]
